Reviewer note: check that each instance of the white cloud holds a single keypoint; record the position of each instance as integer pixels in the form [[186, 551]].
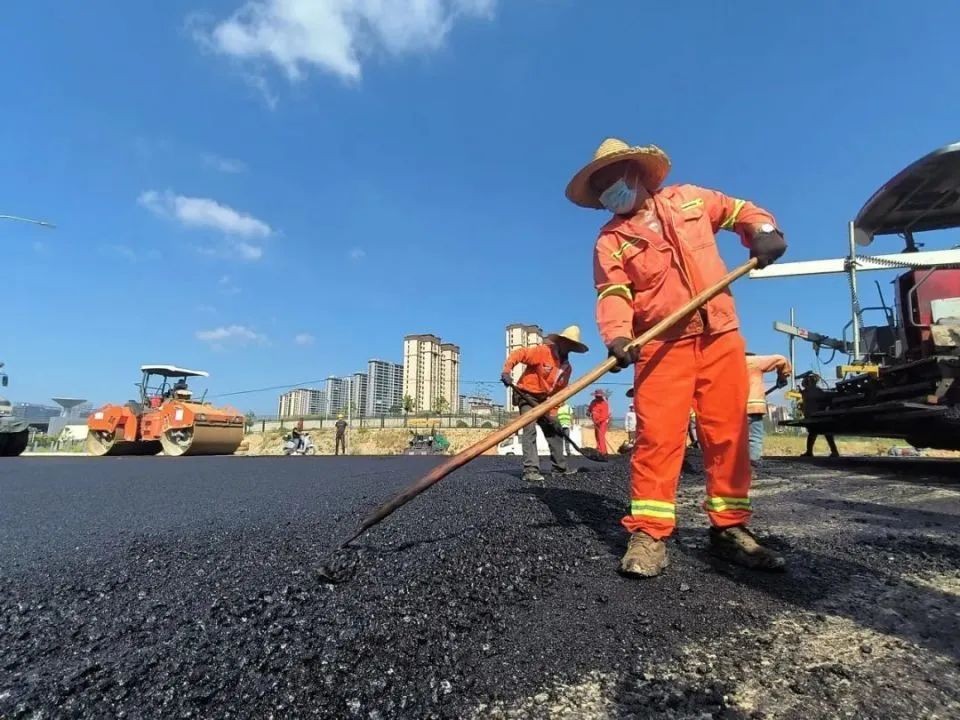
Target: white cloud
[[303, 339], [203, 213], [357, 254], [235, 335], [335, 36], [206, 309], [229, 166], [227, 286], [198, 212]]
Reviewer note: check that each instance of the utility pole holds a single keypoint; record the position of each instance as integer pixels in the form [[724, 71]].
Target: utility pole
[[854, 302], [793, 357]]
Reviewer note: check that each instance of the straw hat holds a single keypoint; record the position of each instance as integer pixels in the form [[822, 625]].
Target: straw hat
[[655, 162], [572, 336]]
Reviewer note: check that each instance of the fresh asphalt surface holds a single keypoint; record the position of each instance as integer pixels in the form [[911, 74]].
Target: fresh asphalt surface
[[186, 587]]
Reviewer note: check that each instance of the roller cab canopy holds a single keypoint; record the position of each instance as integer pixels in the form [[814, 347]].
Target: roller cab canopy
[[169, 371], [923, 196]]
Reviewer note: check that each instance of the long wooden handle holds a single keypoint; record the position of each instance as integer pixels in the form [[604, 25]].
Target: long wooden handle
[[493, 439]]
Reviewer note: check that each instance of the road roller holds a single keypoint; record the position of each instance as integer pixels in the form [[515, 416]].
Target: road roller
[[165, 418]]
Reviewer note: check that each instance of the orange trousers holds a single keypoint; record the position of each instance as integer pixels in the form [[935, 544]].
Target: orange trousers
[[709, 374]]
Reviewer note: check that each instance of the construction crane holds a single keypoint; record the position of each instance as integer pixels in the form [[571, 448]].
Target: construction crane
[[901, 377]]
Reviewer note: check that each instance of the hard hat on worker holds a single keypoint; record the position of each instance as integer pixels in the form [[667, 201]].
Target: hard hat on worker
[[599, 393], [571, 337], [652, 161]]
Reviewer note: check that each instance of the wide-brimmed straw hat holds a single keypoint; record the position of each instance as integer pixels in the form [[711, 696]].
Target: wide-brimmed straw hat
[[655, 162], [572, 336]]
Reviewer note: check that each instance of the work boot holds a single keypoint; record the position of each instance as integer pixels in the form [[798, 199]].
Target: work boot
[[738, 545], [559, 471], [533, 476], [645, 556]]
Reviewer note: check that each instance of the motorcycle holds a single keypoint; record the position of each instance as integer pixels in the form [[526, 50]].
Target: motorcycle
[[298, 444]]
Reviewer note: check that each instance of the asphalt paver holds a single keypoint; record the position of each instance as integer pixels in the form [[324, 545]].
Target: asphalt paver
[[188, 587]]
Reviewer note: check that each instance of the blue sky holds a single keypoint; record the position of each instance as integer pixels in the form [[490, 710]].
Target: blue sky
[[276, 192]]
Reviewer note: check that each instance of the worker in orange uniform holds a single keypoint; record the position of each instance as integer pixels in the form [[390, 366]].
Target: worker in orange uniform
[[757, 365], [546, 371], [599, 410], [657, 251]]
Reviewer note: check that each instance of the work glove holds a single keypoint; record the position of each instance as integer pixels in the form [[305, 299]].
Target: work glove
[[506, 379], [767, 247], [617, 348], [782, 381]]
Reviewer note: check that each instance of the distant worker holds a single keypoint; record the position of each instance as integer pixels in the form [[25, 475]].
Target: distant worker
[[814, 400], [757, 365], [630, 424], [546, 371], [657, 250], [340, 442], [300, 424], [692, 430], [599, 410], [565, 418]]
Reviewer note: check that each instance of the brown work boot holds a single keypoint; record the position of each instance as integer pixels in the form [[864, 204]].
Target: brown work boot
[[645, 556], [738, 545]]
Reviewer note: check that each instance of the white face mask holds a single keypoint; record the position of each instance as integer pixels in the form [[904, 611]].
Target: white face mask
[[619, 198]]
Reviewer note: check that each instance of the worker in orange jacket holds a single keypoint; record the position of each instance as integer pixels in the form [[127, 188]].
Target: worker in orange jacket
[[657, 251], [599, 410], [546, 372], [757, 365]]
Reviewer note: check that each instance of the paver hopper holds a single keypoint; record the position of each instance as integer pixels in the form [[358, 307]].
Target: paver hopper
[[165, 418]]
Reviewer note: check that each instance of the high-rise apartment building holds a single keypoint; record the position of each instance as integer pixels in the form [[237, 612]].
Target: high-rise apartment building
[[520, 336], [301, 402], [384, 387], [431, 373], [337, 396], [358, 394]]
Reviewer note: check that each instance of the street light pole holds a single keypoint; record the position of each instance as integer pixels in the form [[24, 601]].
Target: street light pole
[[17, 218]]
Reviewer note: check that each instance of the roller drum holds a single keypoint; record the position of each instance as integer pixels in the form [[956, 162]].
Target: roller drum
[[202, 440]]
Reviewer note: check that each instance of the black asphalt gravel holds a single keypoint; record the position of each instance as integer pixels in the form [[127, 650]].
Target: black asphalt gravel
[[187, 587]]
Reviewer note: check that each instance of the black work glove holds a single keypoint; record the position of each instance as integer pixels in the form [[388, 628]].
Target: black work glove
[[617, 348], [781, 381], [767, 247], [506, 379]]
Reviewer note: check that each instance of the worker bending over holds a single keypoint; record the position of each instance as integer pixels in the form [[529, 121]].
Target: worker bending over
[[757, 365], [656, 252], [814, 400], [599, 410], [546, 371]]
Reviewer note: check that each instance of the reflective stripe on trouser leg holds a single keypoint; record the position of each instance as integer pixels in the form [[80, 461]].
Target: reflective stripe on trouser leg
[[721, 400], [663, 392]]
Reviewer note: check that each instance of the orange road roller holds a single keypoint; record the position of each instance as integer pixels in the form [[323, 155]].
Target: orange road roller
[[166, 418]]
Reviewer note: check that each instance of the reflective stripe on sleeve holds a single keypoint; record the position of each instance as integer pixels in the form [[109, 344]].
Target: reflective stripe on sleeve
[[623, 290], [732, 219]]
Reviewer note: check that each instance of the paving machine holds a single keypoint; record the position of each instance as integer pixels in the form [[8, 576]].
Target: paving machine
[[902, 377], [167, 418], [14, 431]]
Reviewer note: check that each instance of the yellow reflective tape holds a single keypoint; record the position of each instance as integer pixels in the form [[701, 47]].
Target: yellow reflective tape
[[719, 504], [623, 290], [663, 505], [649, 512], [691, 204], [623, 247], [730, 221]]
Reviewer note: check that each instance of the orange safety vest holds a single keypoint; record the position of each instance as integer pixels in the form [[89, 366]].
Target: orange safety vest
[[544, 374], [642, 275]]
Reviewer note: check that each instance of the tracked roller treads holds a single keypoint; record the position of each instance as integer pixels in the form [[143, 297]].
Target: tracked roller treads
[[205, 440]]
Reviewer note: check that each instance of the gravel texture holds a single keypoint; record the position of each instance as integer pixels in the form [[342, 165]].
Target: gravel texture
[[188, 587]]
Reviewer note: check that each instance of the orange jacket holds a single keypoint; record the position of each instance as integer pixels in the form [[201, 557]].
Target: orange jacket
[[544, 374], [757, 365], [642, 276], [599, 410]]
